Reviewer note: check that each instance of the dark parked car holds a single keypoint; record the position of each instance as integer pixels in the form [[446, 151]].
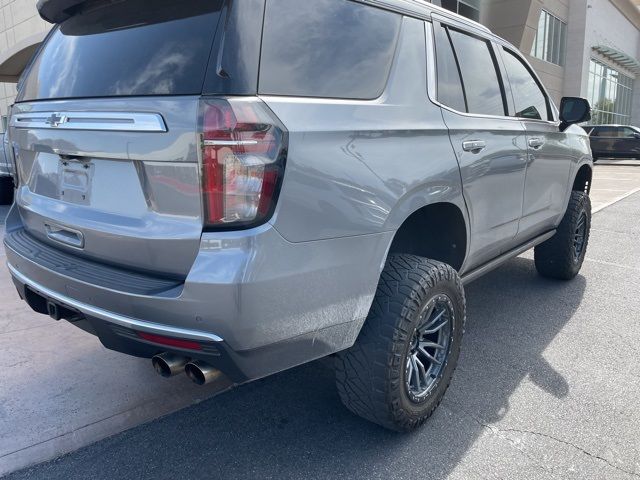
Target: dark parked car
[[617, 141]]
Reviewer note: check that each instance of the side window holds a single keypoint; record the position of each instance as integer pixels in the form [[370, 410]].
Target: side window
[[479, 76], [529, 99], [450, 91], [609, 132], [327, 48], [628, 132]]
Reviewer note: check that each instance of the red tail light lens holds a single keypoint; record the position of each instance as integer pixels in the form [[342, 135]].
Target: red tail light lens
[[243, 155]]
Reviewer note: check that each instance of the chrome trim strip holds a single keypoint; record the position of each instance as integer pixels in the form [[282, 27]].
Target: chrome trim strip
[[230, 143], [116, 318], [101, 121]]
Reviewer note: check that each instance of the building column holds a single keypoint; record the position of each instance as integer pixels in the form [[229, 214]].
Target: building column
[[578, 54]]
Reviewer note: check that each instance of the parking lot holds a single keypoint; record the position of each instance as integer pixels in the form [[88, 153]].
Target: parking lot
[[547, 387]]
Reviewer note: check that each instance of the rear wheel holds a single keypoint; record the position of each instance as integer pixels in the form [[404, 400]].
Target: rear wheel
[[561, 256], [6, 190], [399, 369]]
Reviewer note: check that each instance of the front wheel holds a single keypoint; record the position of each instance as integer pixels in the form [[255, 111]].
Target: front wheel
[[399, 369], [561, 256]]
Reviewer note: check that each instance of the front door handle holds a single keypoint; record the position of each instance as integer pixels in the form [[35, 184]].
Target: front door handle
[[536, 143], [474, 146]]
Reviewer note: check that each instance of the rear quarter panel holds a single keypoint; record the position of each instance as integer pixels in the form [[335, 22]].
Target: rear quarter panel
[[362, 167]]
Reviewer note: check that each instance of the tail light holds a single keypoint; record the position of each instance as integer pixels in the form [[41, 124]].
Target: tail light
[[243, 154]]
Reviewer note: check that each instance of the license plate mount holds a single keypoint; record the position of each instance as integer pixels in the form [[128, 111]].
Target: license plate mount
[[75, 180]]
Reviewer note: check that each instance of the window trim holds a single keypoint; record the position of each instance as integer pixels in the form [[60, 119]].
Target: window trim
[[551, 117], [491, 47], [432, 45], [445, 33]]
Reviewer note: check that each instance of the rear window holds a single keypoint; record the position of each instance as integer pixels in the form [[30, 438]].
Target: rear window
[[479, 74], [127, 48], [327, 48], [450, 90]]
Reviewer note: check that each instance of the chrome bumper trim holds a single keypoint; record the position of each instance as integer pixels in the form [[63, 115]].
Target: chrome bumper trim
[[116, 318]]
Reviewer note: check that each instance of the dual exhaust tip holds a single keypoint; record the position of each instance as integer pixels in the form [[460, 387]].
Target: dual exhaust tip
[[200, 373]]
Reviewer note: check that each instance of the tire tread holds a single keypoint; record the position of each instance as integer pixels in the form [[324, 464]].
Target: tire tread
[[365, 375], [554, 257]]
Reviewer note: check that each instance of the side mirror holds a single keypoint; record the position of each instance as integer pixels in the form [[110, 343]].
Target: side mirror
[[637, 135], [573, 110]]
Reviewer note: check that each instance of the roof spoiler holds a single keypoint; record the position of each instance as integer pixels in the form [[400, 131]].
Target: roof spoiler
[[57, 11]]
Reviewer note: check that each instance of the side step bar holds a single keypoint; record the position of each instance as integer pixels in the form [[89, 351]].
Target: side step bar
[[496, 262]]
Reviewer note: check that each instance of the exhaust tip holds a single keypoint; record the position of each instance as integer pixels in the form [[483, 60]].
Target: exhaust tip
[[202, 373], [168, 364]]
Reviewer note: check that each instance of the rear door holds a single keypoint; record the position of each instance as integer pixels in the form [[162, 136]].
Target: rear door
[[550, 155], [490, 147], [106, 138]]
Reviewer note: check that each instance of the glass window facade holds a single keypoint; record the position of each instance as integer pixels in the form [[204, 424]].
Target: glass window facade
[[551, 39], [610, 94]]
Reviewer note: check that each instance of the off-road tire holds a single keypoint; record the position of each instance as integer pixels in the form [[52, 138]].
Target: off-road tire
[[556, 257], [6, 190], [371, 375]]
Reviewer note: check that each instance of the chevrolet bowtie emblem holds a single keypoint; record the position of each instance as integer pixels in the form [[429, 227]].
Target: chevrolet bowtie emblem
[[56, 120]]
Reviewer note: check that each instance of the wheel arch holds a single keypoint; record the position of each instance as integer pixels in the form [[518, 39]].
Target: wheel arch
[[583, 179], [418, 235]]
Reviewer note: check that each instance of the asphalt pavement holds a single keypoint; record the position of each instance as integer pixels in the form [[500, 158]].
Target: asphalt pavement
[[547, 387]]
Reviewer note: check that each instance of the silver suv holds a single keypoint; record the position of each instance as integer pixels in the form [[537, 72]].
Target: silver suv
[[234, 188]]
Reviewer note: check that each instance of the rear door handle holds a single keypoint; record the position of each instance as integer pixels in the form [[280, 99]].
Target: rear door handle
[[474, 146], [536, 143]]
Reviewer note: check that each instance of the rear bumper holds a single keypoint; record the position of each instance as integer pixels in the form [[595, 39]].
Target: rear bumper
[[257, 303], [111, 317], [120, 334]]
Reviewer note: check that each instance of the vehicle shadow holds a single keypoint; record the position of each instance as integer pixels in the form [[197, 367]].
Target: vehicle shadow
[[293, 425]]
